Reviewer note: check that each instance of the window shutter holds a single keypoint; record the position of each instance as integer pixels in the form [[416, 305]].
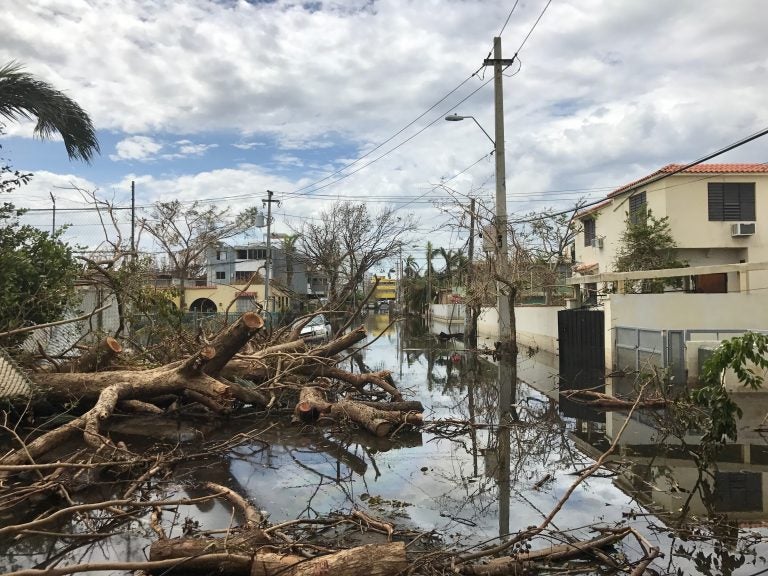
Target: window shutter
[[715, 201], [747, 197]]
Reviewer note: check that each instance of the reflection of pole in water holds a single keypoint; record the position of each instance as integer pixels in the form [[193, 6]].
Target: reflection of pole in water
[[506, 399], [471, 384]]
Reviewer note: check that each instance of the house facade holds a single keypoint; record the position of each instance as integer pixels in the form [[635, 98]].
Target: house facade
[[714, 213], [235, 265]]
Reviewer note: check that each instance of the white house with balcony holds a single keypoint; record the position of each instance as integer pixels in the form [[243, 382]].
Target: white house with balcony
[[713, 216], [718, 217]]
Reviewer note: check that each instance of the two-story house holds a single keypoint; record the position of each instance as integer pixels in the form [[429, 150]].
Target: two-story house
[[714, 213], [237, 264]]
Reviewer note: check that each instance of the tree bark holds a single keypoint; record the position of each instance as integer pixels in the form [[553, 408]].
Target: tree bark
[[356, 380], [229, 343], [368, 560], [98, 357], [312, 404]]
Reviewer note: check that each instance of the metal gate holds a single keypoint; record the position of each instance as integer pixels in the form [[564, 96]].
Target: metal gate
[[640, 350], [582, 348]]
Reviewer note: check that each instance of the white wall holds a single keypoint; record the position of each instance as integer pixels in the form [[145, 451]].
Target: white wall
[[681, 311], [536, 326]]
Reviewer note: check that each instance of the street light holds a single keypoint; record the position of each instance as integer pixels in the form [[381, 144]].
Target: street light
[[457, 118], [505, 313]]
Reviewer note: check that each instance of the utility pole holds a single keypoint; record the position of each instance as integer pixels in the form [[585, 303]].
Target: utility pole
[[268, 201], [505, 319]]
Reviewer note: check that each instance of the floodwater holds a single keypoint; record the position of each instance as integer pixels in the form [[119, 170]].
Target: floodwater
[[467, 486]]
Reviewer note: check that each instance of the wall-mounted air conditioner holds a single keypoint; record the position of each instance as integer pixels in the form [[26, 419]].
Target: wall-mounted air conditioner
[[596, 243], [742, 229]]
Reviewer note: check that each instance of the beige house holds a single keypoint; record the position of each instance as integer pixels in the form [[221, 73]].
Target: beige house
[[713, 216], [219, 298]]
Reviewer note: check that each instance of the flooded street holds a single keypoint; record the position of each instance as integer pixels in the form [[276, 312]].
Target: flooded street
[[493, 459]]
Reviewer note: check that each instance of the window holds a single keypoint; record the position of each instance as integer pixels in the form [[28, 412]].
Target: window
[[221, 275], [589, 231], [731, 201], [252, 254], [244, 275], [221, 255], [637, 208]]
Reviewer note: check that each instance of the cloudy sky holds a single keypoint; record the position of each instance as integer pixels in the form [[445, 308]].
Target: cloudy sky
[[220, 100]]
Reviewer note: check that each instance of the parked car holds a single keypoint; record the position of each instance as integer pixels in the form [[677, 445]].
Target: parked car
[[317, 330]]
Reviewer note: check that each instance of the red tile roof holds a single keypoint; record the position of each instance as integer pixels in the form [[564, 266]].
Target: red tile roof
[[590, 210], [697, 169]]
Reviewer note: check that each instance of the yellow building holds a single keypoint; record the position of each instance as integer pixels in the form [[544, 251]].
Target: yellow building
[[217, 298], [386, 289]]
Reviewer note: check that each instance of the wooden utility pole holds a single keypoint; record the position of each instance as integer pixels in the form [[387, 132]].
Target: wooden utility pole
[[268, 201], [504, 308]]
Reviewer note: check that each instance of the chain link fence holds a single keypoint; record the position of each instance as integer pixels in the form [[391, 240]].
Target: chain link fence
[[13, 381]]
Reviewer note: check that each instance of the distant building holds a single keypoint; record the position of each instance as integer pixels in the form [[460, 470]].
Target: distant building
[[236, 265], [386, 288]]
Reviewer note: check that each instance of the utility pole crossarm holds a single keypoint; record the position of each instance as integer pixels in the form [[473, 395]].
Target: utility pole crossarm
[[502, 61]]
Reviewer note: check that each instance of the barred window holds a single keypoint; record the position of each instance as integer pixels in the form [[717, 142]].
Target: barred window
[[637, 208], [731, 201]]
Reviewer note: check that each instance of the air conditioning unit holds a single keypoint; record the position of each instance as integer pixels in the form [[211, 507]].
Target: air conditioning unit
[[600, 243], [742, 229], [596, 243]]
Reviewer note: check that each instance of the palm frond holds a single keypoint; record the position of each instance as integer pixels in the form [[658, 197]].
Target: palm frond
[[22, 96]]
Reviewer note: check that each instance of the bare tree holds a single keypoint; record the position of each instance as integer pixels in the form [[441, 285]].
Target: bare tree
[[349, 240], [185, 232]]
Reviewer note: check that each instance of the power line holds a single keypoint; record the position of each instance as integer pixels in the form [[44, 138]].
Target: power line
[[506, 21], [531, 30]]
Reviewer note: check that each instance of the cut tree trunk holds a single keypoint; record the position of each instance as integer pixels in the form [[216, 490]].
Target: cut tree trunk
[[312, 404], [229, 343], [368, 560], [108, 388], [192, 553], [97, 358]]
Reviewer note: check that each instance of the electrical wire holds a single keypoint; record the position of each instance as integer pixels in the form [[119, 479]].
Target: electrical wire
[[507, 20], [519, 48]]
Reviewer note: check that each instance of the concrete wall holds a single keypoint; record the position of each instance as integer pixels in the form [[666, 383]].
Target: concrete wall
[[450, 315], [680, 311], [536, 326]]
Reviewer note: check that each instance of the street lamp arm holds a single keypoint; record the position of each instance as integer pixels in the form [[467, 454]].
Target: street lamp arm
[[457, 118]]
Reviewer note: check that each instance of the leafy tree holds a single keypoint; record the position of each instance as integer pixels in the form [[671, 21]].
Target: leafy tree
[[22, 96], [347, 241], [185, 232], [742, 355], [37, 284], [647, 244], [289, 249], [38, 269]]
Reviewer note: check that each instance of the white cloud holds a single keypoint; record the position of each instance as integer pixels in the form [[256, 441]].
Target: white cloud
[[141, 148], [607, 91], [248, 145]]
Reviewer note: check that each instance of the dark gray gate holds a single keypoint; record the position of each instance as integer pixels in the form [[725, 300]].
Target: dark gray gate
[[582, 348]]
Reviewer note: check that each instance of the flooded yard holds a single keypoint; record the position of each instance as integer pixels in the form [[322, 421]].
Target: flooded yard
[[493, 458]]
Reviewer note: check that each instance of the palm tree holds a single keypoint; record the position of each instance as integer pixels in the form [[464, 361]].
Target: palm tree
[[289, 249], [22, 96]]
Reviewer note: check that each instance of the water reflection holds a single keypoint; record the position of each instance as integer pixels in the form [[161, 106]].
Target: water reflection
[[513, 452]]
